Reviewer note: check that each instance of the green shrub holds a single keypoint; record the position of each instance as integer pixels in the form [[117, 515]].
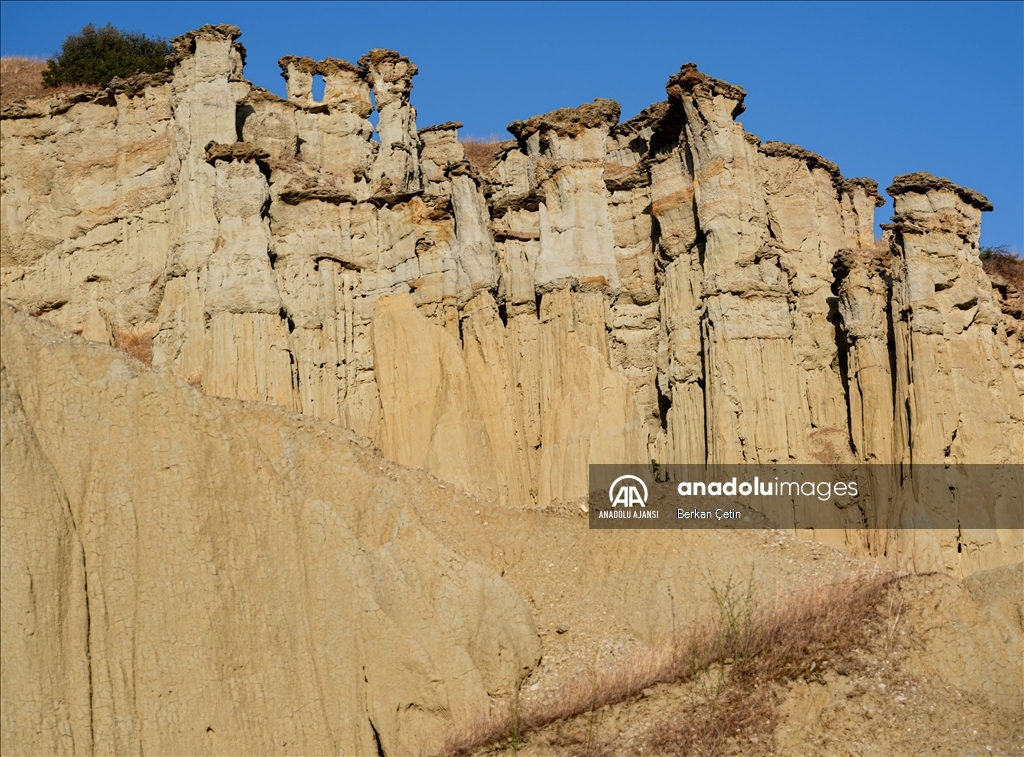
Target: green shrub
[[95, 56]]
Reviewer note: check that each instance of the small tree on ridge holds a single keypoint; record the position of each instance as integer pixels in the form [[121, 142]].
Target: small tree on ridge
[[95, 56]]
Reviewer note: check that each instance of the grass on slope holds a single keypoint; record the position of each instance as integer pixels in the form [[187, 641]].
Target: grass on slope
[[22, 78], [735, 661]]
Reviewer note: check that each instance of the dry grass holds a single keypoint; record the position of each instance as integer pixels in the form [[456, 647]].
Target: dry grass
[[1002, 263], [734, 662], [22, 78], [799, 639], [482, 153], [137, 342]]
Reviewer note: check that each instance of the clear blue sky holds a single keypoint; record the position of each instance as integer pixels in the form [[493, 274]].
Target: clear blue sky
[[879, 88]]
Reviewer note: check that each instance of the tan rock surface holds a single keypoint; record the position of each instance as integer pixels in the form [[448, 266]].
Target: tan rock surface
[[667, 288], [214, 564], [209, 576]]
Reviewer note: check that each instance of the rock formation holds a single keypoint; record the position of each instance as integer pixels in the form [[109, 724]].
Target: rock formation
[[668, 288], [215, 577], [258, 567]]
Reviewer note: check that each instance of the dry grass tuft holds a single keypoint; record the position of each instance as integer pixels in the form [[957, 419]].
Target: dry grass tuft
[[802, 638], [733, 661], [482, 153], [1001, 263], [137, 342], [22, 78]]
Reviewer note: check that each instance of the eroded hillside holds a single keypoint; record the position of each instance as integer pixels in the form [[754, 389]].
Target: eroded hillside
[[343, 510], [667, 271], [189, 574]]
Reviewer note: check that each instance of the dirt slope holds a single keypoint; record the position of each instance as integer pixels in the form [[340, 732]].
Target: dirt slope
[[187, 574]]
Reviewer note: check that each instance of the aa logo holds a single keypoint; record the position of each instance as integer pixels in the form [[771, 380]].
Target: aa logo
[[624, 492]]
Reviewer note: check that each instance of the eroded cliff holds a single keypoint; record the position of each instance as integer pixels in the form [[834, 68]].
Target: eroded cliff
[[208, 577], [668, 288], [186, 574]]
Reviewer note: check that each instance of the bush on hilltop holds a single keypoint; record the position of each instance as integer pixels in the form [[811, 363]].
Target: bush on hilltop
[[95, 56]]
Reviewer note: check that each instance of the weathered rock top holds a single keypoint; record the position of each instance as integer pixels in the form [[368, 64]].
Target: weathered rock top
[[302, 63], [813, 160], [570, 122], [184, 45], [650, 116], [870, 187], [923, 182], [446, 126], [330, 66], [378, 57], [691, 79]]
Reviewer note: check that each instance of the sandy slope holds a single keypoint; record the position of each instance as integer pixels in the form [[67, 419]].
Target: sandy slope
[[190, 574]]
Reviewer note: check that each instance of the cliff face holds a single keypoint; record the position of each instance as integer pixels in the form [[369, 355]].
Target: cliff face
[[186, 574], [210, 577], [666, 288]]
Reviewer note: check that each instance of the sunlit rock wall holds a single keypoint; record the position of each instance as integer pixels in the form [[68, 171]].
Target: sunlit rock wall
[[668, 288]]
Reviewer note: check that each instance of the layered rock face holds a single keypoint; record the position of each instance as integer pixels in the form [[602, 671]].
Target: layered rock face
[[668, 288], [209, 577]]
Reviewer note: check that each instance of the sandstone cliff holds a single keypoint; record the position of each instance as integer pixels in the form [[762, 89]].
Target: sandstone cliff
[[666, 288], [209, 577], [185, 574]]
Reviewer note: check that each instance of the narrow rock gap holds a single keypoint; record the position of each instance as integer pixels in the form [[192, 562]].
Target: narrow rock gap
[[88, 647], [376, 739], [287, 319], [842, 345], [890, 335], [664, 405]]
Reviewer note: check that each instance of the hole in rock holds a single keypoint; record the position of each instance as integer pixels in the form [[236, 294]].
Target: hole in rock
[[318, 88]]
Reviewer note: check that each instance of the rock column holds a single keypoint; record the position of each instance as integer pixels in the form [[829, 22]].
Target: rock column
[[396, 170], [753, 407], [956, 400], [220, 322], [203, 97], [680, 249]]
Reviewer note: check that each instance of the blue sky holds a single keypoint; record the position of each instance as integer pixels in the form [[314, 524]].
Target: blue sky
[[879, 88]]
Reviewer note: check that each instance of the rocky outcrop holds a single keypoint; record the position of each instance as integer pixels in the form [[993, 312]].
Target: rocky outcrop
[[667, 288], [953, 371], [396, 170], [219, 577]]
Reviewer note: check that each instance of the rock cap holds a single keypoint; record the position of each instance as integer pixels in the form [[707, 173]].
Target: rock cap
[[380, 56], [870, 187], [329, 66], [184, 45], [301, 63], [691, 80], [923, 182], [446, 126], [813, 160], [569, 122]]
